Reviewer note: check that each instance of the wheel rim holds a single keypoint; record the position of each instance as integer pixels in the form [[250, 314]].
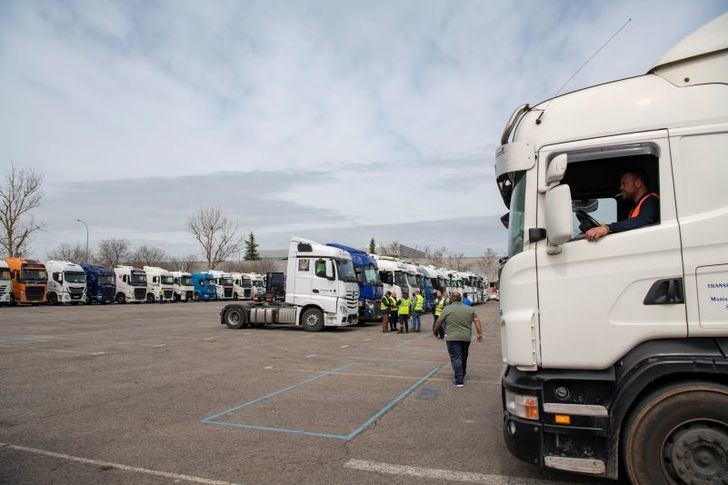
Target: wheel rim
[[312, 320], [697, 452], [234, 318]]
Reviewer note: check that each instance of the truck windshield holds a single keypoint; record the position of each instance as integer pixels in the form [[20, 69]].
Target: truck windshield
[[226, 281], [400, 279], [515, 219], [74, 277], [412, 280], [167, 280], [258, 283], [33, 275], [371, 275], [186, 281], [106, 279], [138, 279], [245, 283], [4, 274], [346, 270]]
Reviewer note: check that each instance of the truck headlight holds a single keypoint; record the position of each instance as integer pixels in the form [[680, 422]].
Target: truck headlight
[[521, 405]]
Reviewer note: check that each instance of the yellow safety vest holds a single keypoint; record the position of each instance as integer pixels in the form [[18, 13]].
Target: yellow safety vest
[[386, 303], [404, 306], [440, 306], [419, 303]]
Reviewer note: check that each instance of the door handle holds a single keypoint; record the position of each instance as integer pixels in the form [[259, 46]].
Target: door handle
[[668, 291]]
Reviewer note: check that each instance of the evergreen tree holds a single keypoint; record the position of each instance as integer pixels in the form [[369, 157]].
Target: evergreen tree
[[251, 248], [372, 246]]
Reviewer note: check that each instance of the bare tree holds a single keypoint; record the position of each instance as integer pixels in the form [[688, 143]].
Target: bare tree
[[184, 263], [261, 266], [113, 252], [66, 252], [217, 235], [20, 193], [391, 249], [457, 262], [148, 256], [489, 263]]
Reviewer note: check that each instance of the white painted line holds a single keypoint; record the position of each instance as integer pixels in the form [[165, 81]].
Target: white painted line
[[269, 367], [118, 466], [439, 474], [51, 350], [159, 345], [343, 346], [309, 356]]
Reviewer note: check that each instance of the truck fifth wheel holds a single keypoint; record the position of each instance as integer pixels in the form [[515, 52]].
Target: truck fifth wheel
[[321, 291], [617, 350]]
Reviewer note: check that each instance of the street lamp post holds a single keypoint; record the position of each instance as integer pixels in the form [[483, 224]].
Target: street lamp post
[[84, 223]]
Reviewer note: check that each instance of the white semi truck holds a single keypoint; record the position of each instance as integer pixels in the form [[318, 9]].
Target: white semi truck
[[224, 282], [617, 350], [5, 282], [183, 287], [160, 284], [131, 285], [66, 283], [388, 270], [321, 291]]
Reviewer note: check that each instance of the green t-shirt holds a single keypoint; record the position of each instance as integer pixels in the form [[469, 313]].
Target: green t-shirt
[[458, 319]]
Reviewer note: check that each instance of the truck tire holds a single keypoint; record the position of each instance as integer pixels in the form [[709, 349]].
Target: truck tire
[[52, 299], [679, 434], [235, 296], [235, 318], [120, 298], [150, 298], [312, 320], [196, 297]]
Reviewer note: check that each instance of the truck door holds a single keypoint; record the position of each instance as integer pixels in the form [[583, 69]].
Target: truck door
[[702, 201], [592, 295]]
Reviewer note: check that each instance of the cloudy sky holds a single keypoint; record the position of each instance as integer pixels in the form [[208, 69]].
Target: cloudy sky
[[342, 120]]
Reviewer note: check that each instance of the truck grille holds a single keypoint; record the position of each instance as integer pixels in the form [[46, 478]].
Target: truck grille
[[2, 290], [109, 292], [139, 293], [228, 293], [188, 295], [168, 294], [34, 293]]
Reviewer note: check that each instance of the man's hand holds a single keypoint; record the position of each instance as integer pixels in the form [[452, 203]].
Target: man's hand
[[480, 338], [596, 233]]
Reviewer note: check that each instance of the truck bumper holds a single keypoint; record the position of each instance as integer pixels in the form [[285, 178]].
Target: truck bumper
[[340, 319], [583, 446]]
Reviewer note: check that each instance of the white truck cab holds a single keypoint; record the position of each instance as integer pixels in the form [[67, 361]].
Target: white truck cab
[[619, 347], [183, 287], [131, 284], [224, 282], [160, 284], [388, 270], [66, 282], [321, 291], [5, 282], [242, 286]]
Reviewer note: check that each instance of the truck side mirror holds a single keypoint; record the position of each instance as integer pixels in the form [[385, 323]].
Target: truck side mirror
[[554, 173], [330, 275], [558, 215]]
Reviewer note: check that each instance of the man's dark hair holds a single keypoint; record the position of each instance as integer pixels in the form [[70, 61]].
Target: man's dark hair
[[457, 296], [638, 173]]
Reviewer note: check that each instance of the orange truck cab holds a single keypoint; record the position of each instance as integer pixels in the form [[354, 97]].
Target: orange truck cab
[[29, 280]]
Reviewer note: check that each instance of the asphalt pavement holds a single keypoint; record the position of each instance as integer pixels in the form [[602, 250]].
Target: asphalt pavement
[[162, 393]]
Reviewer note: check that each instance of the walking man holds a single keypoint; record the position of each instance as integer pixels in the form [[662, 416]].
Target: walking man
[[459, 319], [405, 308], [417, 313], [386, 307]]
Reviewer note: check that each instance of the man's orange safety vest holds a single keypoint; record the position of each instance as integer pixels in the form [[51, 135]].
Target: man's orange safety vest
[[636, 211]]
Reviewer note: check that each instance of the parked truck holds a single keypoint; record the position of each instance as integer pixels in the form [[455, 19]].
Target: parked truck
[[242, 286], [205, 287], [370, 286], [5, 283], [29, 281], [66, 283], [617, 350], [224, 282], [160, 284], [388, 276], [321, 291], [131, 284], [183, 286], [100, 284]]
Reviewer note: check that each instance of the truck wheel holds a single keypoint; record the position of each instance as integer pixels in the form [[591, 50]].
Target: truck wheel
[[52, 299], [235, 318], [12, 300], [679, 434], [312, 320], [150, 298], [121, 298], [196, 296], [235, 296]]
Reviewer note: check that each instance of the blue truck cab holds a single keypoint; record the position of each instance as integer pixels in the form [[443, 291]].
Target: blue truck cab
[[367, 276], [100, 284], [205, 287]]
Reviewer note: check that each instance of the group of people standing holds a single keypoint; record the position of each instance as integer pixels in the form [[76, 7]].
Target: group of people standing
[[396, 312]]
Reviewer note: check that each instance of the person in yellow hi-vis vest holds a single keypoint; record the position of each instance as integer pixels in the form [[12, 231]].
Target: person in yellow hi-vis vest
[[419, 307], [386, 307], [405, 308], [440, 303]]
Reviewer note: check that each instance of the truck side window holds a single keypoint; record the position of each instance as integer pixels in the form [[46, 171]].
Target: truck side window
[[320, 268], [304, 265], [57, 277], [125, 278]]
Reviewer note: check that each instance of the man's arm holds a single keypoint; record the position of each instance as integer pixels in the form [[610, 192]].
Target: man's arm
[[478, 329], [649, 214]]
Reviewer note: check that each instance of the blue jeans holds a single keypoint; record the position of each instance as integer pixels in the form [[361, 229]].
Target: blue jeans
[[458, 351], [416, 321]]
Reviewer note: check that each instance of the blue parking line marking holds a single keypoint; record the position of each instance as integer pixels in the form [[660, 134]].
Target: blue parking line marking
[[407, 342], [344, 437]]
